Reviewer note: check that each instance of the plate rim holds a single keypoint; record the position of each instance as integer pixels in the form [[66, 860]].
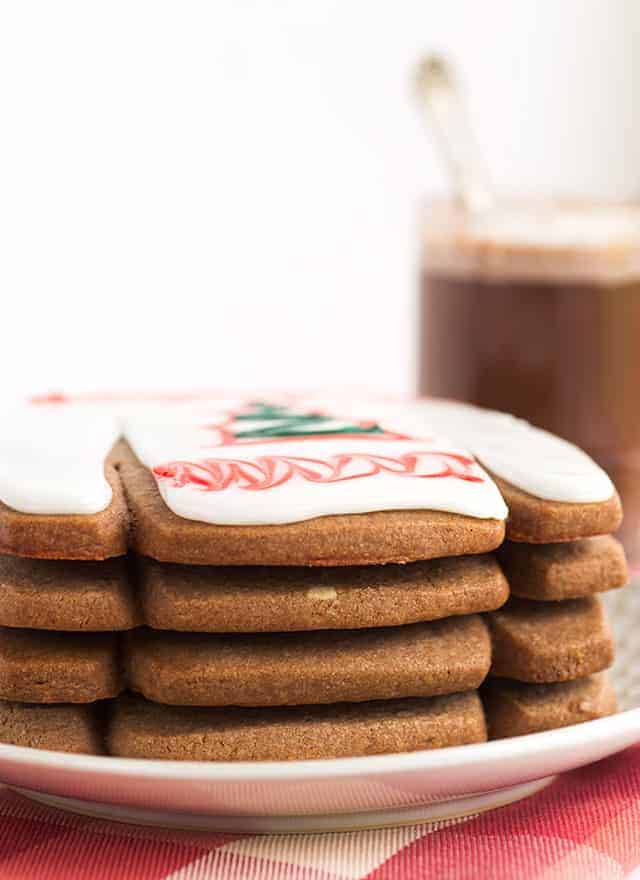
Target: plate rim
[[458, 757]]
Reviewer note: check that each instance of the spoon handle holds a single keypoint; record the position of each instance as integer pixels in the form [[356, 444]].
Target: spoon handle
[[442, 98]]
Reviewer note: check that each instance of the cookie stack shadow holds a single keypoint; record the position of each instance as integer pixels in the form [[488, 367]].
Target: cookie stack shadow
[[135, 657]]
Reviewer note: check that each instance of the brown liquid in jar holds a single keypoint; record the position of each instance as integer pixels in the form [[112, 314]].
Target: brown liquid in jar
[[561, 350]]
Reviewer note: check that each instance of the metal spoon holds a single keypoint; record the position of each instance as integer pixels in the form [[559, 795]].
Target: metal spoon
[[441, 96]]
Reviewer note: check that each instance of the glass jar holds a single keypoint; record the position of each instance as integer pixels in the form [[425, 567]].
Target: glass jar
[[535, 310]]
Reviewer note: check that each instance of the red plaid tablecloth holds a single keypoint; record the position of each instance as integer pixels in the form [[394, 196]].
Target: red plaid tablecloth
[[586, 826]]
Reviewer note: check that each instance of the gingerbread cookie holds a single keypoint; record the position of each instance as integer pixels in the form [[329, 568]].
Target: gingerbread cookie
[[246, 482], [136, 728], [537, 521], [140, 729], [513, 708], [553, 490], [548, 642], [277, 632], [68, 535], [53, 667], [573, 570], [420, 660], [59, 728], [262, 599], [290, 482], [354, 539], [61, 595]]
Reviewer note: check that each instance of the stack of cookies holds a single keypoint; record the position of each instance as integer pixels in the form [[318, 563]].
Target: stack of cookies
[[294, 578]]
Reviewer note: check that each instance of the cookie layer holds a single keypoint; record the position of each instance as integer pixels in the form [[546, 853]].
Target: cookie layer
[[514, 709], [48, 667], [69, 596], [530, 641], [68, 536], [564, 571], [59, 728], [544, 642], [354, 539], [537, 521], [137, 728], [140, 729], [99, 596], [286, 669], [236, 599]]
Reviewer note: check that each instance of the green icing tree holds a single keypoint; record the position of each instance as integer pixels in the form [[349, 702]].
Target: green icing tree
[[279, 421]]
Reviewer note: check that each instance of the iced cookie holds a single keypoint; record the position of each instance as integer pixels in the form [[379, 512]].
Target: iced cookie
[[60, 496], [61, 595], [68, 535], [295, 483], [572, 570], [355, 539], [257, 481], [140, 729], [542, 521], [513, 708], [549, 642], [59, 728], [553, 490], [48, 667], [420, 660], [237, 599], [287, 481]]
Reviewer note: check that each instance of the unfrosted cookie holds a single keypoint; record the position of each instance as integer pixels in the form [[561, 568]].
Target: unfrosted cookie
[[53, 667], [539, 521], [59, 728], [69, 596], [570, 570], [137, 728], [262, 599], [548, 642], [140, 729], [513, 708], [68, 536], [353, 539], [287, 669]]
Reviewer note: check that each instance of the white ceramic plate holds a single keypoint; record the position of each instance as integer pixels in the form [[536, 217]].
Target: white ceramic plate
[[337, 794]]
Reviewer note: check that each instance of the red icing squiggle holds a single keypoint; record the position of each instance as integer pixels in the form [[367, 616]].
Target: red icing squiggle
[[267, 472], [52, 397]]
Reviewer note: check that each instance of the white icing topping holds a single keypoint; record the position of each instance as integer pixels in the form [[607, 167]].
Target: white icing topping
[[52, 459], [215, 462], [290, 480], [531, 459]]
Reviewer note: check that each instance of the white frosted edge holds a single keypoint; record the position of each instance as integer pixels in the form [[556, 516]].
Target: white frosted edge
[[531, 459], [52, 459], [52, 462]]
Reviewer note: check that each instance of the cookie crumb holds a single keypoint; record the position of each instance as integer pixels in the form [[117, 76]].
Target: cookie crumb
[[322, 594]]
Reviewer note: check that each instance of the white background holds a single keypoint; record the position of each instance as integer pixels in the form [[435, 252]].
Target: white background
[[224, 193]]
